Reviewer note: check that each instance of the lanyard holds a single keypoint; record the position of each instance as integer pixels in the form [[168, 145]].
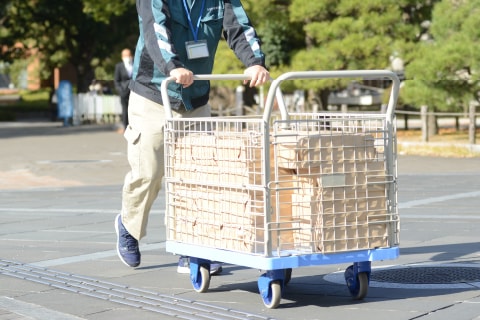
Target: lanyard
[[187, 11]]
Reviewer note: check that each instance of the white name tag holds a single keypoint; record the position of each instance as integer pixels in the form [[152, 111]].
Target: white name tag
[[197, 49]]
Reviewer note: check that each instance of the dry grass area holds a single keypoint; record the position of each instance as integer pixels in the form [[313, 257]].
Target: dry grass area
[[448, 143]]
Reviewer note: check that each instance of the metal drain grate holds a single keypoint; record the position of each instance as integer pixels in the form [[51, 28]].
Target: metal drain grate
[[433, 276], [163, 304], [427, 275]]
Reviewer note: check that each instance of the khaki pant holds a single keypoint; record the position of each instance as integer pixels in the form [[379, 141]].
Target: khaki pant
[[145, 150]]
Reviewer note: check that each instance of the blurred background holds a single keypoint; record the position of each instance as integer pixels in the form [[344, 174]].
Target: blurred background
[[432, 45]]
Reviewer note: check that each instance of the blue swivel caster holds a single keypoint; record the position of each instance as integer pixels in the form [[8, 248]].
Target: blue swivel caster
[[270, 285], [357, 277], [200, 274]]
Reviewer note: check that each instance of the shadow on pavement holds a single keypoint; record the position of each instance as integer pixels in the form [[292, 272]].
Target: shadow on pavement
[[444, 252], [14, 130]]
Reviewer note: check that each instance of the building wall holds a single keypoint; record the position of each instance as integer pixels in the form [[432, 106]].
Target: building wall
[[32, 79]]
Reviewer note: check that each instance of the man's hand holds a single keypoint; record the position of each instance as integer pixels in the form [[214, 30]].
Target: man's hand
[[258, 75], [182, 76]]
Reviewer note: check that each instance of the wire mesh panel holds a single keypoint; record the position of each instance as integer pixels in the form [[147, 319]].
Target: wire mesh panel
[[341, 198], [215, 178], [315, 183]]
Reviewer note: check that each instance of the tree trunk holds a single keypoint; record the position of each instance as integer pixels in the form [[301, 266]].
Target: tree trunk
[[432, 124], [313, 100], [472, 126], [324, 94], [85, 76]]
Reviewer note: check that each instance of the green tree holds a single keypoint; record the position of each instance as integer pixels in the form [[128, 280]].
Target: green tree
[[443, 73], [279, 37], [354, 34], [82, 33]]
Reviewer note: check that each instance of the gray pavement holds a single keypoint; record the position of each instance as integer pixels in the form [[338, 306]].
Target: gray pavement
[[60, 191]]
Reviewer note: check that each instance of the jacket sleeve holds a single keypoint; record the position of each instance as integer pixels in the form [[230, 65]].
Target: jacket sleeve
[[240, 34], [155, 24]]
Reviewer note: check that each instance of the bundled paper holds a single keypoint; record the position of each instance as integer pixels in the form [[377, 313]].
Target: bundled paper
[[328, 193]]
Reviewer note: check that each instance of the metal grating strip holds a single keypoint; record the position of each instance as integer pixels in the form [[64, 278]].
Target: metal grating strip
[[137, 298]]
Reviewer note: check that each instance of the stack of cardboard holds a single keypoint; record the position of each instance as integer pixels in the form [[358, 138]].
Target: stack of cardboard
[[218, 159], [339, 203], [216, 217], [328, 192], [219, 198]]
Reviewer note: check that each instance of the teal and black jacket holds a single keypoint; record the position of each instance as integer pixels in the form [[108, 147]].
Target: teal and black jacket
[[164, 31]]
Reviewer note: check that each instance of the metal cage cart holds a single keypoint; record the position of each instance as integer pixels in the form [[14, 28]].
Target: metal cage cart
[[280, 192]]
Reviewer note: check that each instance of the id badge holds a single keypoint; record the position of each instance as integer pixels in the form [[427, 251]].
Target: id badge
[[197, 49]]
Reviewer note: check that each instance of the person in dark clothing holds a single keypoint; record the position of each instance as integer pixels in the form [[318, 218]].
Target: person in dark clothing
[[123, 74]]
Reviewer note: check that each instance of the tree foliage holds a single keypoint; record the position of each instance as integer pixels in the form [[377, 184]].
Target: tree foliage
[[103, 10], [66, 31], [444, 72], [279, 37], [353, 34], [297, 35]]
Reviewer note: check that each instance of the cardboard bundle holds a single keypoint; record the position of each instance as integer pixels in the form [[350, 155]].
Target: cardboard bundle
[[328, 192], [216, 217], [339, 203], [304, 150], [218, 158], [220, 202]]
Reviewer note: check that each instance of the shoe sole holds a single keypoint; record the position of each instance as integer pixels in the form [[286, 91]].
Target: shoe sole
[[216, 271], [118, 240], [183, 270], [186, 270]]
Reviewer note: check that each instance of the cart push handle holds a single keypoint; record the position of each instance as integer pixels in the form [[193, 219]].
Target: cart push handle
[[303, 75], [166, 100], [275, 91]]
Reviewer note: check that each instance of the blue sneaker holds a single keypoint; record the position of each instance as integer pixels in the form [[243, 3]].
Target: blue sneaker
[[127, 246], [215, 268], [184, 266]]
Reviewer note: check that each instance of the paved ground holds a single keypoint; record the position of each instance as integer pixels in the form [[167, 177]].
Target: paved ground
[[60, 190]]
